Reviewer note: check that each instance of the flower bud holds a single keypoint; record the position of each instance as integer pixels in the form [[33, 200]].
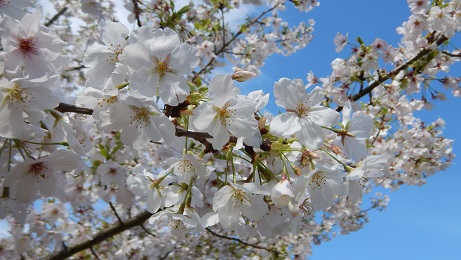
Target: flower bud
[[243, 75], [336, 149]]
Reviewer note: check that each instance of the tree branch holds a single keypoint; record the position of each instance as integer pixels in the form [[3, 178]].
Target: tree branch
[[56, 16], [116, 214], [102, 236], [396, 71], [63, 108], [243, 242], [137, 12]]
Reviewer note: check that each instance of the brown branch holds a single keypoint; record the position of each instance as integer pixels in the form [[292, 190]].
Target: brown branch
[[243, 242], [102, 236], [56, 17], [394, 72], [198, 136], [63, 108]]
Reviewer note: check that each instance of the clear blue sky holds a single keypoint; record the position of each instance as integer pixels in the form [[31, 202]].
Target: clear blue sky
[[420, 222]]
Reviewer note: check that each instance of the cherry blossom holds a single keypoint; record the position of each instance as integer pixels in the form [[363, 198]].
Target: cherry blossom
[[102, 59], [356, 129], [30, 49], [33, 177], [159, 69], [232, 201], [227, 113], [340, 41], [23, 99], [305, 116], [140, 120]]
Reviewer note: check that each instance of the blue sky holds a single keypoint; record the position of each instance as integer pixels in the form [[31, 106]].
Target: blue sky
[[420, 222]]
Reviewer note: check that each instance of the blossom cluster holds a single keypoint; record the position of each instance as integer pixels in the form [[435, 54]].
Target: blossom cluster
[[150, 128]]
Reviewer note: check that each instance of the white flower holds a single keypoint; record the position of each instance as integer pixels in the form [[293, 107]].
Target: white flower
[[102, 59], [227, 113], [140, 120], [112, 173], [372, 166], [143, 183], [232, 201], [323, 187], [91, 7], [159, 69], [354, 133], [33, 177], [305, 116], [340, 41], [418, 6], [188, 167], [282, 193], [29, 49], [180, 224], [21, 99]]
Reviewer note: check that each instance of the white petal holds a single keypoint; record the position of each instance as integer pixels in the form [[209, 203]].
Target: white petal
[[203, 116], [323, 116], [310, 135], [184, 59], [173, 89], [113, 33], [221, 89], [284, 125]]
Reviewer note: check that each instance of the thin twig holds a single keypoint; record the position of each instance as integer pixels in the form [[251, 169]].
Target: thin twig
[[94, 253], [452, 55], [116, 214], [137, 12], [56, 16], [147, 231], [165, 256], [75, 68], [223, 48], [243, 242]]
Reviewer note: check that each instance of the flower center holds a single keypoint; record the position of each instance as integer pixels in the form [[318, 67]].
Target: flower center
[[317, 180], [116, 51], [39, 171], [224, 113], [27, 45], [162, 66], [302, 110], [141, 117], [185, 166], [109, 100], [240, 197], [18, 96]]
